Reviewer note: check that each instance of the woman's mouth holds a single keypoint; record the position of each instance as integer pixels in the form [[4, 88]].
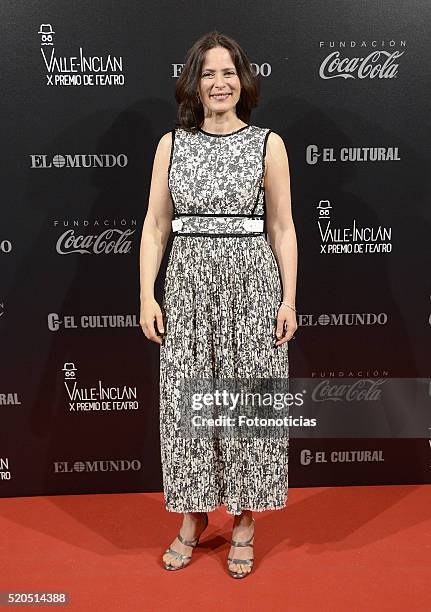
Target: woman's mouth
[[220, 96]]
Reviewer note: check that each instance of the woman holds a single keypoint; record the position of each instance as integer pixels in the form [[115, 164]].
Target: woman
[[228, 310]]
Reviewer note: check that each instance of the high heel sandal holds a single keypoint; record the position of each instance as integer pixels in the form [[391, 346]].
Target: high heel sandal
[[241, 561], [184, 558]]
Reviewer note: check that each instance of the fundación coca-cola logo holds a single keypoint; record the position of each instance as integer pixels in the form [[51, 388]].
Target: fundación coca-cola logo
[[80, 68], [73, 160], [359, 390], [353, 239], [116, 240], [370, 63]]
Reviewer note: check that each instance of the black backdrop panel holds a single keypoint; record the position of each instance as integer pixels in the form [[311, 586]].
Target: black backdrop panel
[[87, 91]]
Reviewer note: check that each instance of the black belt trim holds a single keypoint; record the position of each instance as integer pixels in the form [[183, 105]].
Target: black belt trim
[[220, 235], [196, 214]]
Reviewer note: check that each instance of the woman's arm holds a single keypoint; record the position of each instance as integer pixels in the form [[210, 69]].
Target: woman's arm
[[281, 229], [155, 235]]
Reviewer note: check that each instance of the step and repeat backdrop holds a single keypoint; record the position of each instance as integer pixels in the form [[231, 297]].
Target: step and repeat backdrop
[[87, 92]]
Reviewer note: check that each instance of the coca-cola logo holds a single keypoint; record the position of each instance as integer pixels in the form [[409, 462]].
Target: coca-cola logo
[[361, 390], [110, 241], [333, 66]]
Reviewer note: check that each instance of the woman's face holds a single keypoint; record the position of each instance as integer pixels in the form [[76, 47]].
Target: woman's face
[[219, 76]]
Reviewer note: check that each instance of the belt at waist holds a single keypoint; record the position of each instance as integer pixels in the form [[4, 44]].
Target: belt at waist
[[217, 225]]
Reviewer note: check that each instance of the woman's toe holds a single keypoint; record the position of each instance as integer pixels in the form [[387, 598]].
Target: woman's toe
[[170, 559]]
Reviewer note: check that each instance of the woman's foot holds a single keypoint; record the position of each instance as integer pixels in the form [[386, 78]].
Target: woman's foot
[[243, 531], [193, 525]]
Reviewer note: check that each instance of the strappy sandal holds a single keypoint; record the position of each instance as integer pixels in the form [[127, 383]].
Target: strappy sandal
[[241, 561], [184, 558]]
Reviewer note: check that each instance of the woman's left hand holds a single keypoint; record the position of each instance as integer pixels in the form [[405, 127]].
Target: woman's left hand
[[286, 325]]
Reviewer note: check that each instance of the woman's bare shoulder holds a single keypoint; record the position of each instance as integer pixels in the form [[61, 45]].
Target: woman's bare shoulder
[[276, 147], [166, 139], [276, 152], [164, 146], [275, 141]]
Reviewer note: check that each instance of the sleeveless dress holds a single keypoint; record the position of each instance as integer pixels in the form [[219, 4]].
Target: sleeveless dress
[[220, 301]]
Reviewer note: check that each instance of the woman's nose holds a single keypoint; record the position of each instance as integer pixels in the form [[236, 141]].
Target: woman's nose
[[219, 80]]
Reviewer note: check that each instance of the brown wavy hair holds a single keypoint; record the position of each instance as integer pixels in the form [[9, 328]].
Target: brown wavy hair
[[190, 114]]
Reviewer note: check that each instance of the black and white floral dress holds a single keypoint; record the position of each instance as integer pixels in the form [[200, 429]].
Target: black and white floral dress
[[220, 301]]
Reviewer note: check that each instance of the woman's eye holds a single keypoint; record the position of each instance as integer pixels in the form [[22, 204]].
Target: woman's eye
[[227, 73]]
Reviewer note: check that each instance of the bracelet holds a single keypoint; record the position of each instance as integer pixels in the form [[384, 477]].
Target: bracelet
[[288, 305]]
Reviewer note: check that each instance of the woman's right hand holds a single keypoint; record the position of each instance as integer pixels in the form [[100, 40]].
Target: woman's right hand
[[150, 312]]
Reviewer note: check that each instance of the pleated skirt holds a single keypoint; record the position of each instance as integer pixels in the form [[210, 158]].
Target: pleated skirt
[[220, 301]]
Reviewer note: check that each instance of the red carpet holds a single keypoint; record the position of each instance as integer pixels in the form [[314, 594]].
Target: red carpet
[[336, 549]]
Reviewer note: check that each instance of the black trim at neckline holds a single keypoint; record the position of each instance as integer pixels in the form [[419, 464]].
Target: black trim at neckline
[[230, 133]]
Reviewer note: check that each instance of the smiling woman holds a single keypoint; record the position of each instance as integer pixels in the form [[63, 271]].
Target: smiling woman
[[228, 309], [216, 67]]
